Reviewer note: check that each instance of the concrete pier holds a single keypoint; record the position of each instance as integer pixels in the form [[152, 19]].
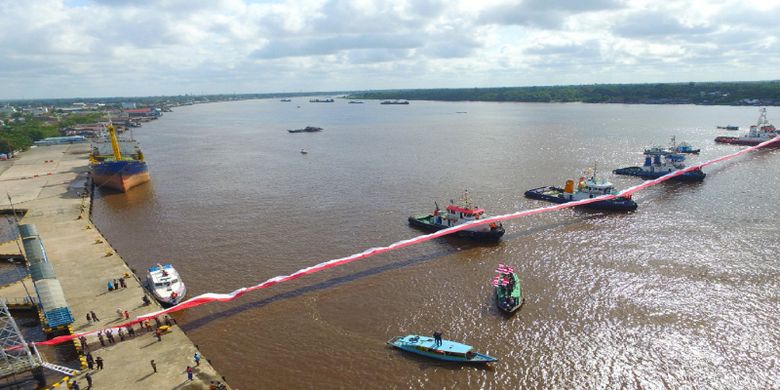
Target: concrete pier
[[49, 182]]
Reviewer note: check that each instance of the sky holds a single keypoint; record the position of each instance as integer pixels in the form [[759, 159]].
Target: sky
[[94, 48]]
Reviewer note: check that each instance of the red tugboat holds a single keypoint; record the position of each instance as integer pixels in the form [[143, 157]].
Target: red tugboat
[[760, 132], [462, 212]]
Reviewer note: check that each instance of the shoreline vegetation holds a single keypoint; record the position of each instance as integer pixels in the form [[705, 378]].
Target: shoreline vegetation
[[18, 131], [763, 93], [22, 122]]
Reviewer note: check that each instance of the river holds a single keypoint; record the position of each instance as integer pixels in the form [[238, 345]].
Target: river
[[682, 292]]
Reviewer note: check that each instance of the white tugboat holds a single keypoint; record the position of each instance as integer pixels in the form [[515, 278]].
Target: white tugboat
[[164, 283], [760, 132], [457, 214], [589, 188]]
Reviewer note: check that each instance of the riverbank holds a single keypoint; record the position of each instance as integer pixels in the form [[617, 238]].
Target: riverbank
[[49, 182]]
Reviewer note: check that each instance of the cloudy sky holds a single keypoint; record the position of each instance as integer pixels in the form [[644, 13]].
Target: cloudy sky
[[67, 48]]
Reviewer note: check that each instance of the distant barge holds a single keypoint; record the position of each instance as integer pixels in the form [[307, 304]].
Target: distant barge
[[307, 129]]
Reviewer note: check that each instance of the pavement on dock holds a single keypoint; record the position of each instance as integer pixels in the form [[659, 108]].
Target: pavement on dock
[[48, 182]]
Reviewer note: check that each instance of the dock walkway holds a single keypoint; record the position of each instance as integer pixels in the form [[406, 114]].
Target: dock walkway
[[48, 182]]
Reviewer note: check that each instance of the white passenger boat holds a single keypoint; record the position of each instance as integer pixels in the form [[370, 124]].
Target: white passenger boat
[[165, 284]]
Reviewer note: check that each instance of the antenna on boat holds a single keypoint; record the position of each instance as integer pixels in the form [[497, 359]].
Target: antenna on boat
[[762, 117]]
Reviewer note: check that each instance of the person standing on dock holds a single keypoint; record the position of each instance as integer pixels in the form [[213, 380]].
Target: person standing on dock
[[99, 362], [130, 331], [127, 315], [154, 366], [158, 334], [189, 373], [197, 359], [121, 334], [89, 319], [110, 286], [88, 377], [120, 312], [90, 361], [122, 282], [110, 335], [94, 316], [100, 338]]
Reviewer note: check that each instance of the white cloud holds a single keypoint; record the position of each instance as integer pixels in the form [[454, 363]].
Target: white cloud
[[54, 48]]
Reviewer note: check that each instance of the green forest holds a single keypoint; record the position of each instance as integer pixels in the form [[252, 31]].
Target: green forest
[[20, 131], [716, 93]]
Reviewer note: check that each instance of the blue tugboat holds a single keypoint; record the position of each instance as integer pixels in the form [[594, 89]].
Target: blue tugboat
[[509, 296], [661, 164], [458, 214], [446, 350], [585, 189], [683, 147]]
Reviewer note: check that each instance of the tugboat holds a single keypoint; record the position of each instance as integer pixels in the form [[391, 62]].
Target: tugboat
[[509, 296], [307, 129], [164, 283], [760, 132], [458, 214], [586, 189], [683, 147], [661, 164], [443, 350]]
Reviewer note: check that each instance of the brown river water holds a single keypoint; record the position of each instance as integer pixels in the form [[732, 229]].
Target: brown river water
[[681, 293]]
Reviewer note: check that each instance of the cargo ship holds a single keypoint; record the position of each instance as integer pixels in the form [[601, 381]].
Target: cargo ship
[[116, 171], [760, 132]]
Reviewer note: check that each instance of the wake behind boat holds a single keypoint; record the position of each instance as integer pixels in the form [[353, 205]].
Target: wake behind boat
[[446, 350], [458, 214], [165, 284]]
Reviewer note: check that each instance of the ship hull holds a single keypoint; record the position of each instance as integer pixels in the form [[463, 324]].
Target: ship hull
[[620, 204], [638, 171], [120, 175], [743, 141], [425, 222]]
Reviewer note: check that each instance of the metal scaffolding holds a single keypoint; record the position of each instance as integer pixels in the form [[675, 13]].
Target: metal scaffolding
[[15, 355]]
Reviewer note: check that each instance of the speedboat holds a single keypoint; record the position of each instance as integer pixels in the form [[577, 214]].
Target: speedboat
[[165, 284], [450, 351], [458, 214], [509, 296]]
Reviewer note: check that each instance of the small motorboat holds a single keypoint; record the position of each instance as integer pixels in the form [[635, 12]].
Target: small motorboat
[[457, 214], [729, 127], [165, 284], [448, 350], [303, 151], [509, 295]]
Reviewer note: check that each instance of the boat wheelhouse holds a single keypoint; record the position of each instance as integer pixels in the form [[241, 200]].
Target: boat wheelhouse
[[165, 284], [447, 350], [457, 214]]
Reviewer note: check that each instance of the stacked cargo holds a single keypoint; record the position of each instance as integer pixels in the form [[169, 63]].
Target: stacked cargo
[[50, 296]]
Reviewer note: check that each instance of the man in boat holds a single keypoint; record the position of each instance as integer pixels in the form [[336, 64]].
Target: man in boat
[[437, 339]]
